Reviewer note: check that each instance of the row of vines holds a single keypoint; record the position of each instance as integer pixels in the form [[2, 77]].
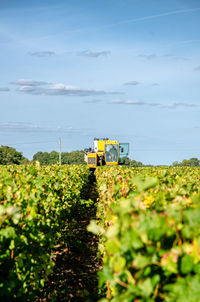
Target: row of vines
[[149, 221], [35, 204]]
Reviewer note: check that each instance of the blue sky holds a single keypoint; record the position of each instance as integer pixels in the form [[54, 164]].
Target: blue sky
[[123, 69]]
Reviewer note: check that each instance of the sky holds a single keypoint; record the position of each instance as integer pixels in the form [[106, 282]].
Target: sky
[[123, 69]]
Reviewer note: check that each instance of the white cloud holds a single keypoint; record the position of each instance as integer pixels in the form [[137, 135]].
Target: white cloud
[[127, 102], [41, 87], [26, 82], [61, 89], [31, 89]]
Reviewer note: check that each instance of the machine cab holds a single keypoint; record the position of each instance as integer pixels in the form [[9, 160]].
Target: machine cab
[[123, 149], [112, 153]]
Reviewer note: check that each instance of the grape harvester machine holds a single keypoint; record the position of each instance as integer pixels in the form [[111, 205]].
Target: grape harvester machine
[[105, 152]]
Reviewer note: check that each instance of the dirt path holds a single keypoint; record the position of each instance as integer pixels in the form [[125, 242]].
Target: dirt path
[[76, 264]]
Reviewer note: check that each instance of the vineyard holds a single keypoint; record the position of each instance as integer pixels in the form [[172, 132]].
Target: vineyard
[[146, 220]]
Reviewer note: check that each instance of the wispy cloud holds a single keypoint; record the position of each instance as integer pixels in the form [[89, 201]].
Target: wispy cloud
[[132, 83], [197, 68], [93, 54], [176, 105], [176, 58], [160, 105], [44, 88], [27, 82], [166, 56], [4, 89], [41, 54], [34, 128], [148, 57], [136, 83], [186, 42], [94, 101], [18, 126], [155, 16]]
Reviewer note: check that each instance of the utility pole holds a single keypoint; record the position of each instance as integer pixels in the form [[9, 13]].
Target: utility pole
[[59, 150]]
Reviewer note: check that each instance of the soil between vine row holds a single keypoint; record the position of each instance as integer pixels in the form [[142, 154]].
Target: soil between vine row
[[75, 275]]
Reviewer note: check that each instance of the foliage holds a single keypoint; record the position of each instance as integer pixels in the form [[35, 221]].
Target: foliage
[[74, 157], [149, 219], [192, 162], [45, 158], [35, 204], [129, 162], [9, 155]]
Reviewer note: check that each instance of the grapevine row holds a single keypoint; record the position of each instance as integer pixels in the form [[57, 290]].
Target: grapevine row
[[149, 219], [35, 204]]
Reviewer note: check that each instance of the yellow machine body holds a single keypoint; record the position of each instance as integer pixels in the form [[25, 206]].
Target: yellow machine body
[[105, 152], [92, 160], [102, 147]]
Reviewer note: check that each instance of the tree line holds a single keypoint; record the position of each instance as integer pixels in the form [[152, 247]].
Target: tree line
[[45, 158], [192, 162], [9, 155]]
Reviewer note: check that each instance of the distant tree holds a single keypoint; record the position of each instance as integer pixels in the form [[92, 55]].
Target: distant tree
[[74, 157], [135, 163], [192, 162], [53, 157], [42, 157], [9, 155], [25, 161], [175, 164], [45, 158], [125, 161], [129, 162]]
